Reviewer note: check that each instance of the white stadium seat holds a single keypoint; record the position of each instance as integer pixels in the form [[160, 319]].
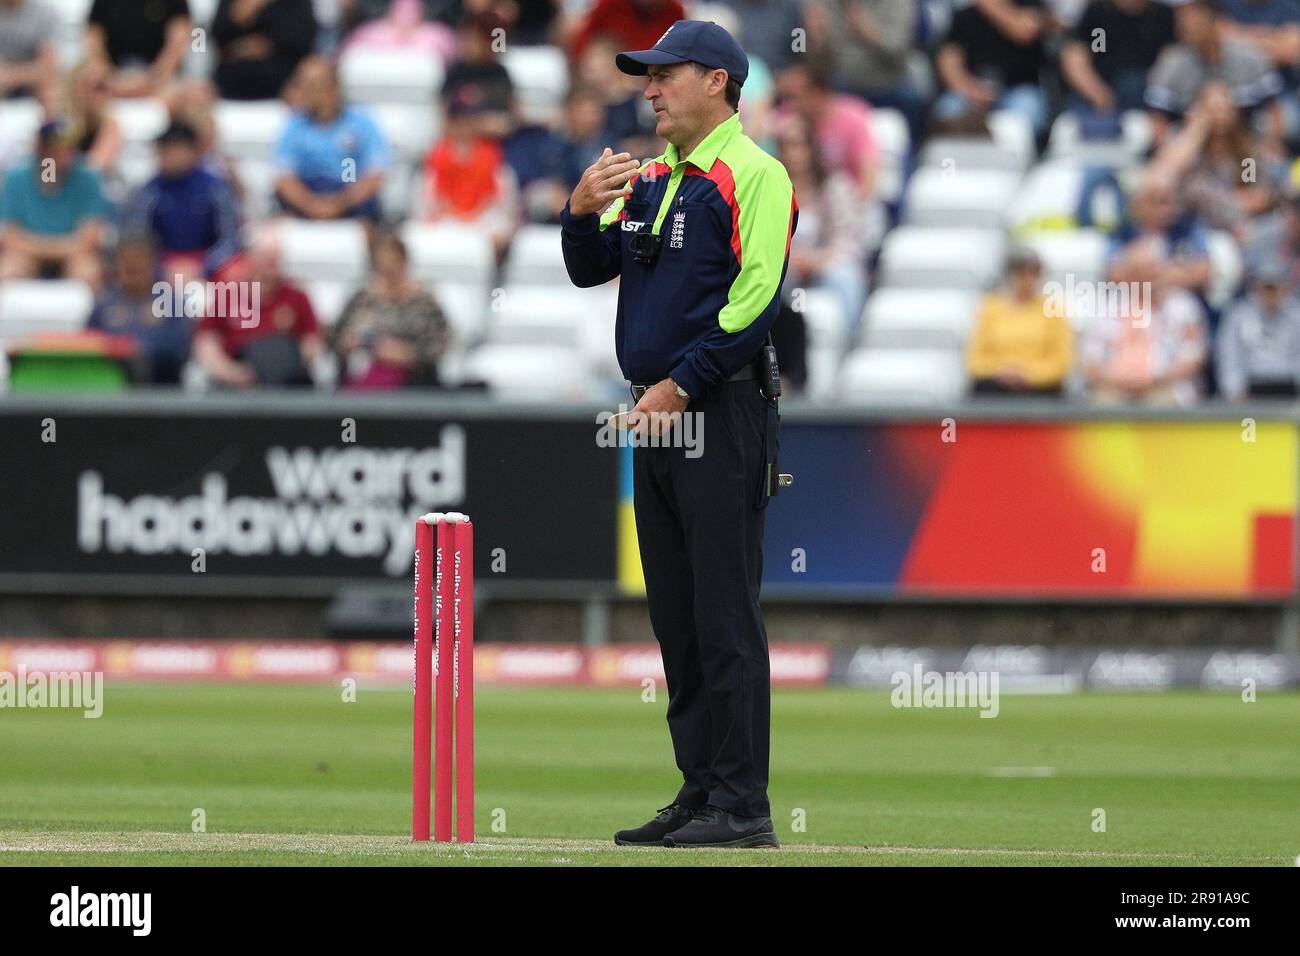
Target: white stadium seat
[[537, 315], [19, 121], [540, 75], [1225, 268], [250, 130], [1066, 140], [536, 257], [970, 152], [918, 318], [1013, 132], [1077, 253], [390, 76], [465, 306], [902, 376], [824, 321], [257, 179], [140, 120], [959, 197], [410, 130], [324, 250], [32, 306], [530, 373], [893, 141], [943, 258], [446, 252], [328, 298]]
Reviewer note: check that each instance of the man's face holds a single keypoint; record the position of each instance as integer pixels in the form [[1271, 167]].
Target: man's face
[[176, 158], [679, 95], [318, 88], [1194, 24], [1155, 207]]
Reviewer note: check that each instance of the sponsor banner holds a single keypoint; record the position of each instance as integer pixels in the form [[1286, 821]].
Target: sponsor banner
[[227, 501], [371, 663], [792, 664], [1030, 669], [983, 510]]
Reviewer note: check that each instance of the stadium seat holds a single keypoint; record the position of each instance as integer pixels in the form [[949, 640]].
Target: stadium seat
[[1080, 253], [918, 318], [942, 258], [902, 376], [446, 252], [961, 197], [824, 320], [823, 374], [250, 130], [540, 75], [465, 305], [324, 250], [1012, 131], [202, 12], [410, 130], [970, 153], [257, 180], [530, 373], [537, 315], [390, 76], [140, 120], [1066, 140], [70, 35], [1225, 268], [328, 299], [19, 121], [893, 143], [536, 258], [396, 194], [33, 306]]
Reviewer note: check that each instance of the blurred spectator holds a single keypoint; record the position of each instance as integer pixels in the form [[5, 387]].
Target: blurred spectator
[[404, 28], [629, 120], [540, 158], [144, 44], [1277, 236], [1205, 52], [1257, 350], [53, 213], [28, 61], [632, 24], [392, 333], [192, 103], [260, 43], [466, 179], [1273, 28], [583, 131], [129, 307], [1226, 177], [866, 43], [86, 100], [535, 21], [827, 250], [841, 124], [477, 79], [191, 213], [992, 59], [1019, 346], [1152, 349], [1156, 231], [276, 345], [332, 159], [758, 99], [1106, 58], [355, 13], [766, 28]]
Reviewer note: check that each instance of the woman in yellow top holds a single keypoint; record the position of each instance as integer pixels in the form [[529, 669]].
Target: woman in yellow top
[[1017, 347]]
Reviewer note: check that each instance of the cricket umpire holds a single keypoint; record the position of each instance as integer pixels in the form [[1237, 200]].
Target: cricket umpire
[[700, 238]]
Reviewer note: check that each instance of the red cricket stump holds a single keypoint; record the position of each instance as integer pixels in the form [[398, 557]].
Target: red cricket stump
[[444, 654], [463, 595], [423, 620]]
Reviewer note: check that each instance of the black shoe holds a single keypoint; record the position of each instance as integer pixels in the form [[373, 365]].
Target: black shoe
[[652, 834], [714, 826]]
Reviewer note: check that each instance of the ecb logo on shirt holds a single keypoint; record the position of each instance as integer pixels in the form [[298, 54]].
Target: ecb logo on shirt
[[678, 232]]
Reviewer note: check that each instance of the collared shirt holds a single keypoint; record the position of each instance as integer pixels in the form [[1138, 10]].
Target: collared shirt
[[725, 215]]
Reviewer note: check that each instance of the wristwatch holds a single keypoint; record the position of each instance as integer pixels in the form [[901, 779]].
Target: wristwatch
[[681, 391]]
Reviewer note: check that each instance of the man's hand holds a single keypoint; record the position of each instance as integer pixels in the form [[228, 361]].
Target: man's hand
[[659, 408], [604, 181]]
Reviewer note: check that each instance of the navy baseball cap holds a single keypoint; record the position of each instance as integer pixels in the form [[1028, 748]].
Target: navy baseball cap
[[690, 41]]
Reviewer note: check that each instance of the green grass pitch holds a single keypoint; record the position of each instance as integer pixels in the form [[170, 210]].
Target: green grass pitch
[[295, 775]]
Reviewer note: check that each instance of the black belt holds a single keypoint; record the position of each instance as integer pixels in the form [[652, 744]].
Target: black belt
[[746, 374]]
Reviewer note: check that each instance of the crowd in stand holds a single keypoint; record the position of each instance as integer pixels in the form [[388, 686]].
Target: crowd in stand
[[1217, 82]]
